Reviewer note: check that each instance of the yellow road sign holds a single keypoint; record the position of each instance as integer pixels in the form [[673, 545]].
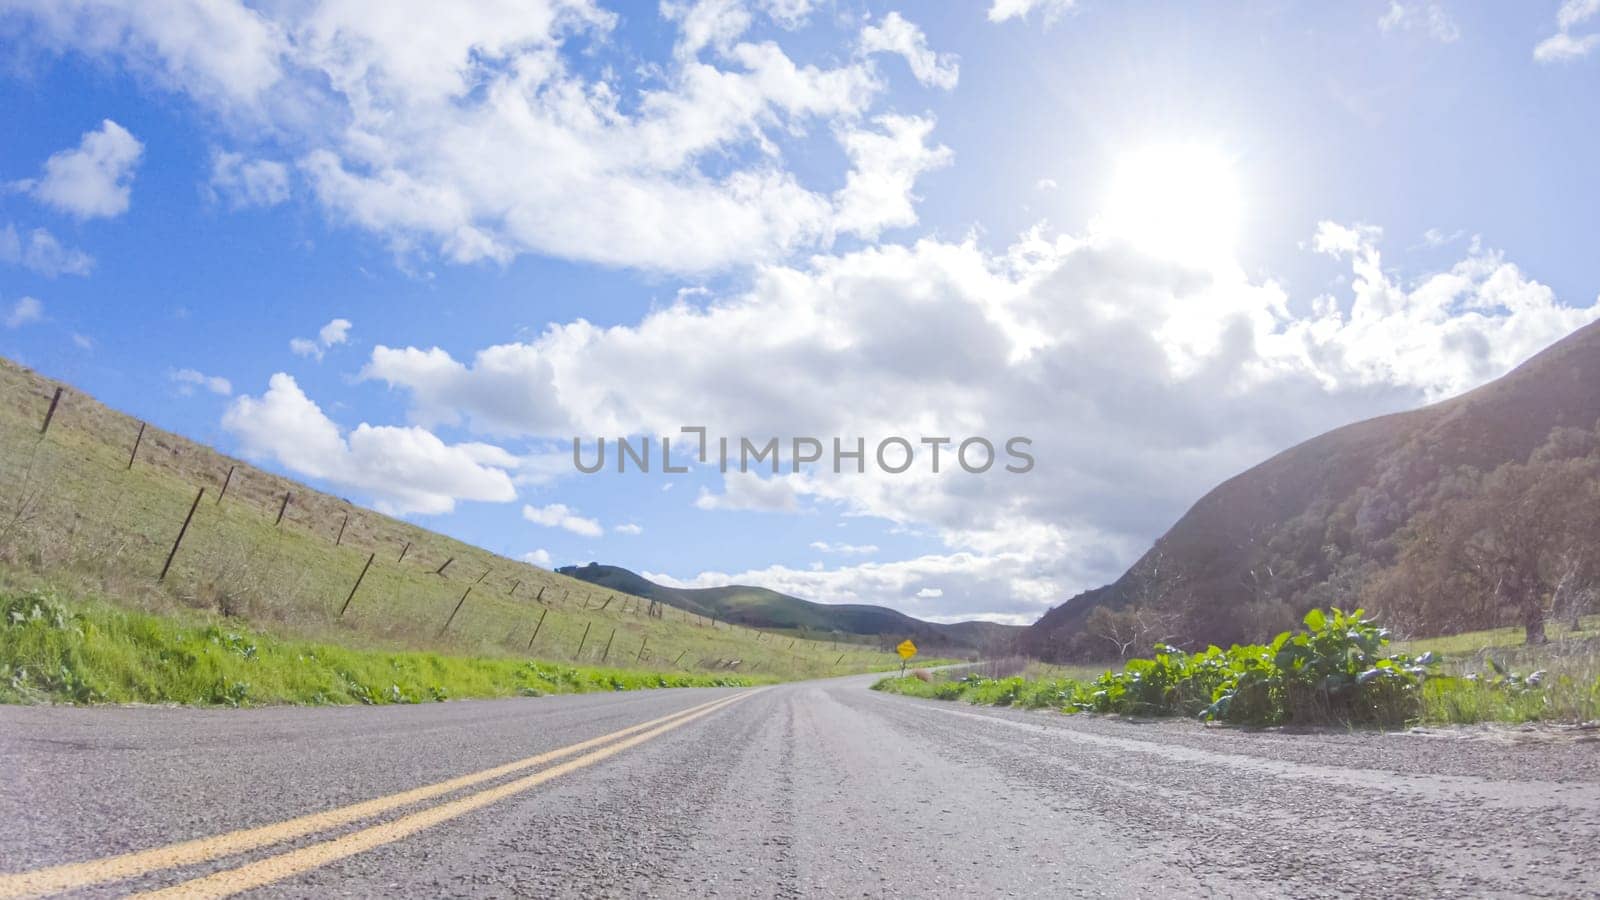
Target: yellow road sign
[[906, 649]]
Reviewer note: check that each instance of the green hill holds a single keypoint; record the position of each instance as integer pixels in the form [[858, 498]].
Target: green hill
[[759, 607], [91, 506]]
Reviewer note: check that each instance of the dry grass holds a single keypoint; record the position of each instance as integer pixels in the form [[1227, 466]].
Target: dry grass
[[74, 517]]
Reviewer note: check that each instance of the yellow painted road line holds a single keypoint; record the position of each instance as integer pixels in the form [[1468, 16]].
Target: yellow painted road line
[[70, 876], [294, 862]]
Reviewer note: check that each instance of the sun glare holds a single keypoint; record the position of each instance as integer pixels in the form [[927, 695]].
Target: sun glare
[[1179, 201]]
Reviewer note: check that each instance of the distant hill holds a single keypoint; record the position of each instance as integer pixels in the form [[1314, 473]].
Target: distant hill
[[759, 607], [1327, 522]]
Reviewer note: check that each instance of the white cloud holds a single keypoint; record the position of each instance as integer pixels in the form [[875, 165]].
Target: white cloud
[[628, 528], [82, 341], [220, 51], [248, 182], [485, 132], [789, 14], [335, 332], [845, 549], [189, 379], [1213, 371], [1431, 18], [1563, 46], [930, 593], [886, 163], [1046, 184], [1050, 10], [42, 253], [404, 470], [540, 558], [896, 35], [1435, 237], [25, 311], [92, 180], [559, 515], [747, 491]]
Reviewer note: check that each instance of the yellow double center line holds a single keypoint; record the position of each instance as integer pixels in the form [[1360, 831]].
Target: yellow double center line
[[72, 876]]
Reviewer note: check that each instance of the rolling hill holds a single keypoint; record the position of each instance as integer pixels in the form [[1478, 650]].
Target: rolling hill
[[762, 608], [1326, 522], [101, 506]]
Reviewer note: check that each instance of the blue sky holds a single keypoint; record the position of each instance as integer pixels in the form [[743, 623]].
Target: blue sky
[[1163, 242]]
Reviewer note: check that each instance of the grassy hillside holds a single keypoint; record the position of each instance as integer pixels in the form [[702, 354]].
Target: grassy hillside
[[74, 516], [763, 608], [1329, 521]]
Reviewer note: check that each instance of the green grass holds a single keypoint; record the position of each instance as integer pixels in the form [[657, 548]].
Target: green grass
[[76, 519], [91, 652], [1488, 679]]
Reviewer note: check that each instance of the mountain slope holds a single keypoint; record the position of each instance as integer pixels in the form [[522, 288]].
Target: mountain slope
[[1318, 522], [763, 608]]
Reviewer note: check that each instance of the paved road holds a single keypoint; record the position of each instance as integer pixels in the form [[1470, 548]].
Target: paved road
[[813, 789]]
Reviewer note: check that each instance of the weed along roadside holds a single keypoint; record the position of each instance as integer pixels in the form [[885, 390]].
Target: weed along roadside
[[1340, 669], [97, 653]]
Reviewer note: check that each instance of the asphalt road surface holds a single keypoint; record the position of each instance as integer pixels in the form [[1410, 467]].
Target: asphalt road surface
[[811, 789]]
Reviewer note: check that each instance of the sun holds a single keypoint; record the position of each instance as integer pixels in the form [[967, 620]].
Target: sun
[[1179, 201]]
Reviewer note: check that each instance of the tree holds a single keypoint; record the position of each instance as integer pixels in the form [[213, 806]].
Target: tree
[[1506, 550]]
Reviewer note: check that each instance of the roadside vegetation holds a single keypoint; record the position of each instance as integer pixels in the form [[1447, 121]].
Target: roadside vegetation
[[1341, 668], [93, 503], [97, 653]]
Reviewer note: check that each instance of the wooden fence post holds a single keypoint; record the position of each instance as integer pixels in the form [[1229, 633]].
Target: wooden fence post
[[340, 539], [583, 639], [136, 442], [357, 584], [483, 576], [181, 532], [538, 625], [454, 611], [51, 412], [839, 660], [604, 656], [514, 585], [680, 656], [225, 482], [284, 508], [642, 644], [440, 570], [403, 551]]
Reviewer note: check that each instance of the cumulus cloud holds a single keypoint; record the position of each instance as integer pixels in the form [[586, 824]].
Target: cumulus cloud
[[896, 35], [628, 528], [245, 182], [559, 515], [1564, 46], [540, 558], [404, 470], [42, 253], [188, 380], [25, 311], [1141, 382], [1049, 10], [332, 334], [481, 134], [93, 180]]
